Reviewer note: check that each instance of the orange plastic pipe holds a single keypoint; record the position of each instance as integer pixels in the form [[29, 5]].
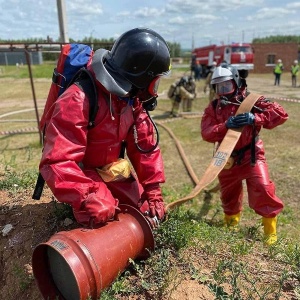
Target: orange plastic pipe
[[78, 264]]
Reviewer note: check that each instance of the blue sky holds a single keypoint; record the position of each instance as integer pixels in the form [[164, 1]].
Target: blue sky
[[182, 21]]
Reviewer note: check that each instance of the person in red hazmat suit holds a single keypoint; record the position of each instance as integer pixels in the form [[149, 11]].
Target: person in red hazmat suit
[[83, 167], [247, 161]]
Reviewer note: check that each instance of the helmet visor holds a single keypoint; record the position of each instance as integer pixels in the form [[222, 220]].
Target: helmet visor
[[153, 86], [225, 87]]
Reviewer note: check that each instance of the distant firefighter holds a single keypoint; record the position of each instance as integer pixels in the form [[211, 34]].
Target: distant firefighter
[[182, 91], [294, 72]]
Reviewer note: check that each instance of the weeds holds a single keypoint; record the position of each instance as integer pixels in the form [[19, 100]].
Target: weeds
[[14, 181], [61, 211], [119, 287], [177, 231], [184, 240], [23, 278], [191, 243]]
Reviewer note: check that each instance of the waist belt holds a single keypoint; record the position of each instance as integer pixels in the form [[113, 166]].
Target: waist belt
[[241, 152]]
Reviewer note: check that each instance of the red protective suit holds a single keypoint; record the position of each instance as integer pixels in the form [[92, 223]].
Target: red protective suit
[[72, 151], [261, 190]]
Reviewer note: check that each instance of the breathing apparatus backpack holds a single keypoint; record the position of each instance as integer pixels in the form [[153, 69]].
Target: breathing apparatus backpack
[[171, 91], [71, 68]]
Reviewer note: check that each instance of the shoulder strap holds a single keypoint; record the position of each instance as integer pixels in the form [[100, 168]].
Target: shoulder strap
[[84, 79]]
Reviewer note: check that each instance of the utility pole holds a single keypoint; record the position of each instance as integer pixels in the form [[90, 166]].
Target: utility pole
[[193, 42], [62, 19]]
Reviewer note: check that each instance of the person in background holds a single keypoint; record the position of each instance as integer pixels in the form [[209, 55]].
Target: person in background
[[211, 94], [187, 99], [182, 91], [85, 168], [294, 72], [193, 65], [247, 161], [278, 71], [198, 71]]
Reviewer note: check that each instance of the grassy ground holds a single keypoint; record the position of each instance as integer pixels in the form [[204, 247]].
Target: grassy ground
[[195, 258]]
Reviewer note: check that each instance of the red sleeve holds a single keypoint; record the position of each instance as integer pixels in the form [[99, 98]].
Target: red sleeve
[[212, 130], [269, 114], [64, 148]]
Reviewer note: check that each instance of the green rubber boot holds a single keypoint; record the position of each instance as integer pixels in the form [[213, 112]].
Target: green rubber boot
[[270, 234]]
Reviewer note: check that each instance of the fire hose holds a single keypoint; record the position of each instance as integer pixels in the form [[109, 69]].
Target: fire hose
[[181, 152]]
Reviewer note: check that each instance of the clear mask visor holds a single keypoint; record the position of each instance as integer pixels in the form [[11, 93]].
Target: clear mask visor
[[225, 87]]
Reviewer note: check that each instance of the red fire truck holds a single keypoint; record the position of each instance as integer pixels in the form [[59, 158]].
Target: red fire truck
[[240, 55]]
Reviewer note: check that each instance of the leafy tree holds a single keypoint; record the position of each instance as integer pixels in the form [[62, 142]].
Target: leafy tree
[[277, 39], [175, 49]]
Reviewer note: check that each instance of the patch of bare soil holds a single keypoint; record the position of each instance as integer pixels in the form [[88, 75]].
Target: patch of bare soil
[[30, 224]]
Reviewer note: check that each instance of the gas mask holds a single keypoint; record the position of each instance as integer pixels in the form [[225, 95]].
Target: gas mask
[[147, 96], [225, 88]]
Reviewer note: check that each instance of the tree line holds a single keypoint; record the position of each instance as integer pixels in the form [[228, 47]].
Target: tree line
[[175, 48], [277, 39]]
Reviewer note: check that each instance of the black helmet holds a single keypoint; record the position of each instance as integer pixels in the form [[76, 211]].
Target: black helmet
[[139, 55], [184, 79], [191, 79], [226, 72]]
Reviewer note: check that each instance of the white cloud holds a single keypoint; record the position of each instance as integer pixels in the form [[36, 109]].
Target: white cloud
[[176, 20], [148, 12], [293, 5], [84, 7], [274, 12]]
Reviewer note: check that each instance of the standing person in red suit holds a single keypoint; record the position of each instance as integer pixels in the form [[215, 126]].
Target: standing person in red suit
[[248, 160]]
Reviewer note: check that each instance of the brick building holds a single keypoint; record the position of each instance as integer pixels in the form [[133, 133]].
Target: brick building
[[267, 54]]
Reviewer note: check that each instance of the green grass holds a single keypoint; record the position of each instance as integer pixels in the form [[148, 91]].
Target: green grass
[[191, 244], [14, 181], [22, 72], [184, 239]]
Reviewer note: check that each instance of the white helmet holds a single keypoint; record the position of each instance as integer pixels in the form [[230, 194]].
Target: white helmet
[[226, 72], [225, 80], [279, 61], [296, 62]]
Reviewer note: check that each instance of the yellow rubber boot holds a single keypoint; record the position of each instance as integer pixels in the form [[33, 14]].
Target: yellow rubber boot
[[270, 234], [232, 221]]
